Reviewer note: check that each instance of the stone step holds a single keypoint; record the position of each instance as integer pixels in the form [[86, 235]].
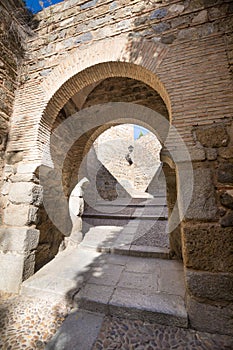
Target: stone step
[[119, 240], [146, 289], [133, 232], [158, 201], [122, 216]]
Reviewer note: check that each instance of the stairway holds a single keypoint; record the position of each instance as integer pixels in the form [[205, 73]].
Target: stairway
[[116, 270], [135, 227]]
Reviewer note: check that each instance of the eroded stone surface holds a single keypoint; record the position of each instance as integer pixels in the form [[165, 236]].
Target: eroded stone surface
[[211, 136], [201, 247], [214, 286], [200, 314], [225, 173]]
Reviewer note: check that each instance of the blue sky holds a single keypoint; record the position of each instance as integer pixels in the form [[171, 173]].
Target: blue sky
[[138, 129], [37, 5]]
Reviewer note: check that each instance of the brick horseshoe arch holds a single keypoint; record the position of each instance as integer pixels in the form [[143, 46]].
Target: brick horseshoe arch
[[132, 59]]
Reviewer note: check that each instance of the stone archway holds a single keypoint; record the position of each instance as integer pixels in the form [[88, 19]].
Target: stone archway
[[126, 59], [42, 102]]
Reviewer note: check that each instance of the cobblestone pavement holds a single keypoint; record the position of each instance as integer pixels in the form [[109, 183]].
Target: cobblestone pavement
[[29, 324], [125, 334]]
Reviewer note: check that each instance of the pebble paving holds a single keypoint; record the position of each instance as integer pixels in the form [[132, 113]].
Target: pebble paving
[[125, 334], [29, 324]]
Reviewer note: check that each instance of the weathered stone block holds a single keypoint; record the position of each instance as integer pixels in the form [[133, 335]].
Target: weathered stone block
[[227, 219], [225, 173], [24, 178], [226, 199], [214, 286], [177, 8], [5, 188], [18, 239], [25, 192], [203, 202], [226, 152], [168, 39], [214, 318], [29, 264], [207, 247], [211, 154], [14, 157], [88, 4], [212, 136], [11, 272], [201, 17], [160, 13], [45, 72], [161, 27], [27, 168], [197, 153], [20, 215], [83, 38]]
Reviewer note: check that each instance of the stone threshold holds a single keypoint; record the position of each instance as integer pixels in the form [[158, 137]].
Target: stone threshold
[[145, 289], [111, 216], [133, 250]]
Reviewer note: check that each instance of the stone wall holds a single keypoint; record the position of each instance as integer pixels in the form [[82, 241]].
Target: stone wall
[[112, 147], [202, 29], [13, 33]]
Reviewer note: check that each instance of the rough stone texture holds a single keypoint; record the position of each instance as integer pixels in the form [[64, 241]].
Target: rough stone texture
[[201, 247], [203, 204], [29, 323], [200, 314], [122, 333], [18, 239], [226, 198], [27, 193], [225, 173], [20, 215], [214, 286], [227, 219], [12, 42], [79, 331], [49, 240], [226, 152], [211, 154], [12, 264], [112, 147], [212, 136]]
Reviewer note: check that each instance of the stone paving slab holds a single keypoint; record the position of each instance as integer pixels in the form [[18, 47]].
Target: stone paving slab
[[119, 240], [61, 276], [137, 289], [163, 308], [79, 332], [151, 289]]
